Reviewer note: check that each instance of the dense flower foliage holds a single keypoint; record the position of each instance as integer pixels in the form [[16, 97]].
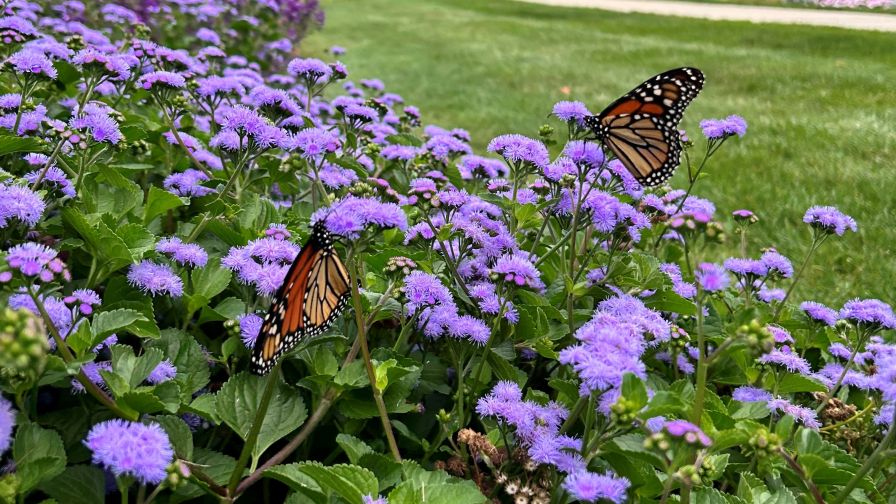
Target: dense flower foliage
[[526, 324]]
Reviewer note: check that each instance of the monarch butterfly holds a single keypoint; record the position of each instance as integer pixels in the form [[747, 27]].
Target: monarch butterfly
[[313, 294], [641, 127]]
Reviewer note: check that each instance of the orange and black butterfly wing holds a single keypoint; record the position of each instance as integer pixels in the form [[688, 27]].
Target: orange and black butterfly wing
[[641, 127], [293, 314]]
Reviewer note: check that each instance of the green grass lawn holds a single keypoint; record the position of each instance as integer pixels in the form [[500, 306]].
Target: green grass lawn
[[820, 103], [801, 5]]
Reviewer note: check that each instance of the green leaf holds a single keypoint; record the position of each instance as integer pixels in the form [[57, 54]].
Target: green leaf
[[353, 447], [704, 495], [206, 407], [10, 144], [107, 322], [39, 455], [632, 445], [211, 280], [79, 484], [633, 389], [404, 139], [138, 239], [791, 383], [663, 403], [179, 434], [350, 482], [159, 201], [185, 353], [238, 402]]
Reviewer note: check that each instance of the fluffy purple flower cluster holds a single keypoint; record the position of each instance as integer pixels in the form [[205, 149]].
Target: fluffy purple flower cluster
[[20, 204], [263, 263], [828, 219], [35, 260], [436, 312], [721, 128], [142, 451], [801, 414], [7, 422], [350, 216], [154, 279], [537, 429], [183, 253], [611, 344]]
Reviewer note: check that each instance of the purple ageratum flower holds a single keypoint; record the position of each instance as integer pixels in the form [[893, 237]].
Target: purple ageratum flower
[[869, 313], [101, 126], [21, 204], [142, 451], [777, 264], [114, 66], [349, 216], [54, 178], [828, 219], [278, 232], [162, 80], [183, 253], [215, 85], [517, 268], [769, 296], [424, 290], [638, 316], [16, 29], [312, 71], [679, 286], [370, 499], [750, 268], [263, 263], [250, 326], [32, 62], [801, 414], [59, 313], [187, 183], [585, 153], [586, 486], [520, 149], [335, 176], [444, 147], [819, 313], [714, 129], [780, 334], [560, 167], [469, 327], [789, 360], [164, 371], [399, 152], [313, 143], [7, 422], [155, 279], [750, 394], [34, 259], [359, 113], [712, 277], [337, 50], [86, 299], [687, 431], [571, 111]]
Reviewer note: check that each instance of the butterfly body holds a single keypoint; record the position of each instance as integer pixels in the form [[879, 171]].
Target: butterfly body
[[314, 293], [641, 127]]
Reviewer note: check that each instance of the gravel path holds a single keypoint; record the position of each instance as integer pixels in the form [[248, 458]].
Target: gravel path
[[731, 12]]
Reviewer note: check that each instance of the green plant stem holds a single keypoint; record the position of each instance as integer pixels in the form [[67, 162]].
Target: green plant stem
[[574, 415], [320, 411], [170, 123], [796, 277], [368, 363], [798, 469], [155, 493], [870, 463], [47, 165], [860, 342], [67, 356], [322, 408], [252, 438], [702, 365]]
